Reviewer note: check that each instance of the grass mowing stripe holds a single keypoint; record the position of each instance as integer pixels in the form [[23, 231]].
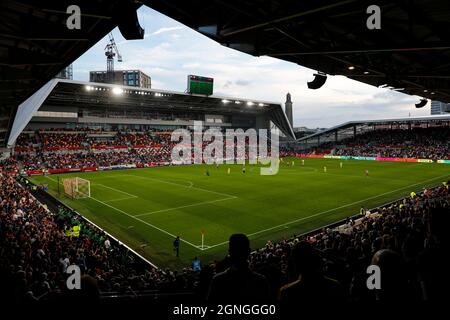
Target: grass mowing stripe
[[114, 189], [140, 220], [263, 202], [186, 206], [144, 222], [130, 196], [331, 210], [346, 175], [121, 199], [180, 185]]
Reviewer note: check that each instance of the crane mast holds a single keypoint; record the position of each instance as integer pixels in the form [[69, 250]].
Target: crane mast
[[111, 51]]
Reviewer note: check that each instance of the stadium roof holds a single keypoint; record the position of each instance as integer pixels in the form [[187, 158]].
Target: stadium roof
[[60, 92], [411, 51], [35, 44], [415, 120]]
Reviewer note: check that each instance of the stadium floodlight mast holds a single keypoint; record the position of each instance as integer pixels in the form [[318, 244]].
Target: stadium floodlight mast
[[187, 151]]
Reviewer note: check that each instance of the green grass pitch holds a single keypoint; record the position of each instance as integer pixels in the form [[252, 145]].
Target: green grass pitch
[[146, 208]]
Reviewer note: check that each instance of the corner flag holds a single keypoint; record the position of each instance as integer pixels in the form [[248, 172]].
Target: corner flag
[[203, 237]]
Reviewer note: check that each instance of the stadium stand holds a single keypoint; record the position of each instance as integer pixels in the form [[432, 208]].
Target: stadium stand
[[421, 138], [39, 238], [37, 245], [420, 143], [65, 149]]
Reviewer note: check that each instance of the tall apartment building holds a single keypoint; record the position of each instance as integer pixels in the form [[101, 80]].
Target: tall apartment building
[[134, 78], [438, 107]]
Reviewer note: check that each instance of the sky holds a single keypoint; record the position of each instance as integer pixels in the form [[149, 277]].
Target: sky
[[170, 51]]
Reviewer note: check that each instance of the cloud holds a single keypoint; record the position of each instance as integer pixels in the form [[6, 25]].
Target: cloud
[[242, 83], [227, 84], [164, 30], [169, 60]]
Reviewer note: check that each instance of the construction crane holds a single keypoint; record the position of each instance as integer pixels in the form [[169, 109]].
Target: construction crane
[[111, 51]]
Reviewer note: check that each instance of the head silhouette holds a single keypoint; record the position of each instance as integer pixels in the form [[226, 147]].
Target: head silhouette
[[393, 278], [438, 223], [305, 259], [239, 248]]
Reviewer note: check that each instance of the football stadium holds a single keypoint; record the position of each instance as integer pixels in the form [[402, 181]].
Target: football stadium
[[113, 191]]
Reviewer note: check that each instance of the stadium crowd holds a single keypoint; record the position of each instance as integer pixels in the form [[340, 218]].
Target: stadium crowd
[[419, 143], [58, 149], [80, 160], [407, 239], [79, 139], [36, 248], [69, 149]]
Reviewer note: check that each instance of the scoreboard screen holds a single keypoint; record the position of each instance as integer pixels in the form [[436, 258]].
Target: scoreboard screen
[[200, 85]]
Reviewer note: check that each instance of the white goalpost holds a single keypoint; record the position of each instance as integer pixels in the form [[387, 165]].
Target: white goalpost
[[77, 188]]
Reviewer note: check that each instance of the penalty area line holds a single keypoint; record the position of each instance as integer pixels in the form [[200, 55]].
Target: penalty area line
[[331, 210], [117, 190], [121, 199], [182, 185], [130, 196], [142, 221], [186, 206]]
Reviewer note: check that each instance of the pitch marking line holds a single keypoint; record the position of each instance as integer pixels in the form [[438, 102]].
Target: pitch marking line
[[331, 210], [202, 248], [144, 222], [186, 206], [128, 194], [346, 175], [121, 199], [190, 183], [181, 185]]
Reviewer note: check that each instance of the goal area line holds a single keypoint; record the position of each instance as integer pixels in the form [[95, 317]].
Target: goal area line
[[209, 247]]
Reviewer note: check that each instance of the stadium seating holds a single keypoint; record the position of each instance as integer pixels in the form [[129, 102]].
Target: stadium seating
[[420, 143], [57, 149], [36, 248], [68, 149]]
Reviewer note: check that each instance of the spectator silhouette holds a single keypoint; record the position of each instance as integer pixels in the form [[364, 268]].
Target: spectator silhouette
[[89, 292], [238, 284], [433, 270], [311, 286], [394, 284]]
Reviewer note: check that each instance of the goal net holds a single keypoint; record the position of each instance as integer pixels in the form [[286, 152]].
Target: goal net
[[77, 188]]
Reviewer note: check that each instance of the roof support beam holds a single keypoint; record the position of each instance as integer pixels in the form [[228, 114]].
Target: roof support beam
[[227, 33]]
